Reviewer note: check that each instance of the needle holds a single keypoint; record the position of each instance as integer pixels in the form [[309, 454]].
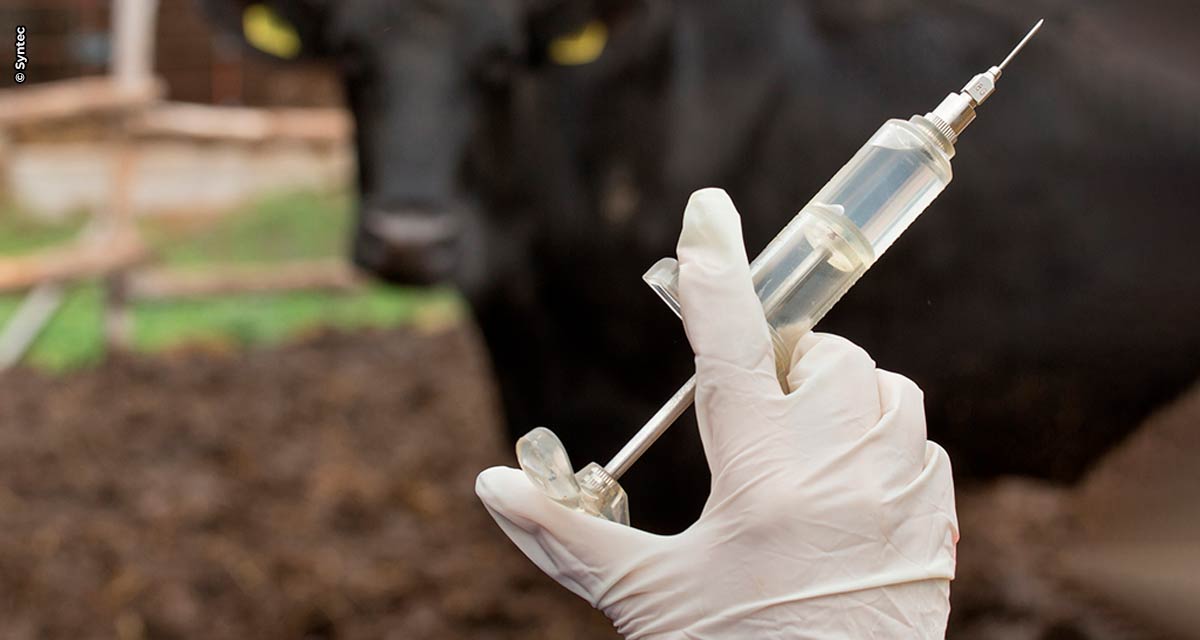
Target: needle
[[1021, 44]]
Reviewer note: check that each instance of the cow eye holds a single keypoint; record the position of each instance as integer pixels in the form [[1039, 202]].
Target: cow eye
[[269, 32], [581, 47]]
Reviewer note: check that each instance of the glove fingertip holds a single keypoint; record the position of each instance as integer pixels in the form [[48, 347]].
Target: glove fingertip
[[498, 486], [711, 221], [484, 481]]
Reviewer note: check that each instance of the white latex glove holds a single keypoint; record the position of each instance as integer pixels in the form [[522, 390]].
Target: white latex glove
[[830, 515]]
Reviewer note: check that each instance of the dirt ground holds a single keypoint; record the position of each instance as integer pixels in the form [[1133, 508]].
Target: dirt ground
[[325, 490], [322, 490]]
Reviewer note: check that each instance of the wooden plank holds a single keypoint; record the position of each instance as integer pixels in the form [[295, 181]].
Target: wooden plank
[[244, 124], [76, 98], [88, 257], [132, 61], [27, 323], [165, 283]]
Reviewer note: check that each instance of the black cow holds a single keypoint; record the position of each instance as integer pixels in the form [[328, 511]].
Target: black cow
[[1049, 300]]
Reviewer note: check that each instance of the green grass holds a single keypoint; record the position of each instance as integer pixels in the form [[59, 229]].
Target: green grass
[[73, 338], [21, 234], [275, 229]]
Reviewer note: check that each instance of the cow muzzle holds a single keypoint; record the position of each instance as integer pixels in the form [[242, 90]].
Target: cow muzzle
[[408, 246]]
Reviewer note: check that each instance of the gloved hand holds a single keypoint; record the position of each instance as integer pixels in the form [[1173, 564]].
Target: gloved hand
[[830, 515]]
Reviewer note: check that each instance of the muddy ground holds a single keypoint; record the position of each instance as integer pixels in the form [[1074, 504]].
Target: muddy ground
[[317, 491], [325, 490]]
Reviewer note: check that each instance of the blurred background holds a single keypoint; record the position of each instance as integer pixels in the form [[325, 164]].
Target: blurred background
[[258, 302]]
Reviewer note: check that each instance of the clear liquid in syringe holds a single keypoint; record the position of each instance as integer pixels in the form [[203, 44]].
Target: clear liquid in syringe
[[798, 277]]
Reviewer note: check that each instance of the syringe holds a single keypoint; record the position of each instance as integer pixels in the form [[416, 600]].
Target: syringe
[[800, 275]]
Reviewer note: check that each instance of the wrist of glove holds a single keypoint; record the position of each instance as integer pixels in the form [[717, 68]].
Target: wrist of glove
[[830, 514]]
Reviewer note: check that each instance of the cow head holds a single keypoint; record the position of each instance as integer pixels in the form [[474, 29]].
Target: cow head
[[422, 78]]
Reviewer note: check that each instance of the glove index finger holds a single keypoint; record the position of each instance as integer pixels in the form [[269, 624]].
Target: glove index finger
[[721, 312]]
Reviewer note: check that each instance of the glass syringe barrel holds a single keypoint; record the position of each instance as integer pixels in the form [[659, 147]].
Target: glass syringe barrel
[[823, 251]]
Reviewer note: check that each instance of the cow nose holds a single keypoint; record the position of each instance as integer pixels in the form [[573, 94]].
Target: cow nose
[[412, 246]]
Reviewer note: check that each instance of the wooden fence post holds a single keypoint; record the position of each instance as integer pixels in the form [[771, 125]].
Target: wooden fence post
[[132, 67]]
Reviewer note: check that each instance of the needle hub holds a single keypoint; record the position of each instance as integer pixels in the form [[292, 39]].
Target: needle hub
[[957, 110]]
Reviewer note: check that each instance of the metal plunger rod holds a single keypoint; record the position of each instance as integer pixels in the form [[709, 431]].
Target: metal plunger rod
[[686, 395], [654, 427]]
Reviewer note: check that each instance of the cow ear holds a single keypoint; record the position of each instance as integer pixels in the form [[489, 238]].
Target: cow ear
[[571, 32], [280, 29]]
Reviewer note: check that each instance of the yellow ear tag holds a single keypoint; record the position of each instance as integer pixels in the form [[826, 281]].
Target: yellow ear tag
[[268, 32], [580, 47]]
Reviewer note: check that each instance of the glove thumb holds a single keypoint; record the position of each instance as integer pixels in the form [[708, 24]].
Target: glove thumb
[[581, 552]]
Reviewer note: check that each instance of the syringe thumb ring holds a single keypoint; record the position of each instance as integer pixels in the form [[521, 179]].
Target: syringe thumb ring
[[592, 490]]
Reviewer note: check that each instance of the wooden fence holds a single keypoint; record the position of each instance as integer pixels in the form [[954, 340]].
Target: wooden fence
[[110, 247]]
